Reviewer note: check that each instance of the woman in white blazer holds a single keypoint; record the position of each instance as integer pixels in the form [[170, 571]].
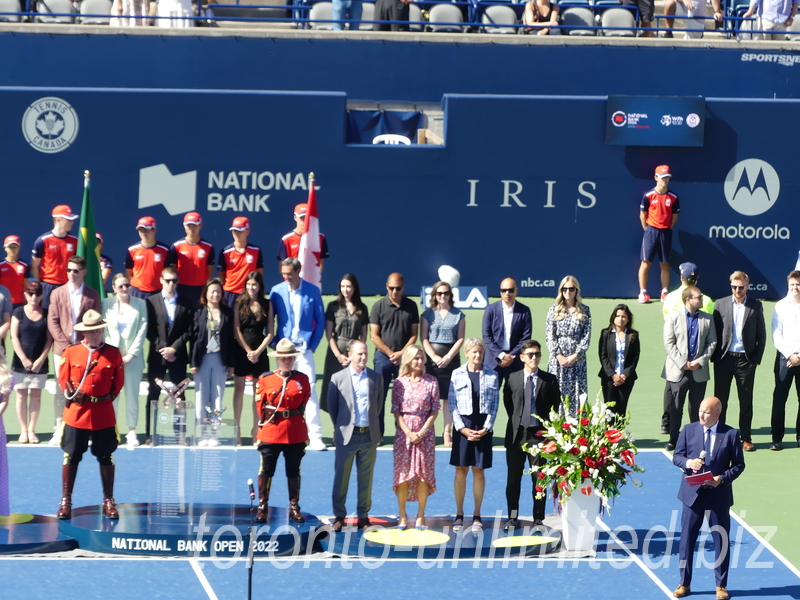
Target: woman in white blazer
[[126, 327]]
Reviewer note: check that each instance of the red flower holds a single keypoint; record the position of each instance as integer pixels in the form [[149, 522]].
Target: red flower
[[582, 441], [574, 451], [603, 451], [539, 489], [564, 486], [561, 471], [549, 447], [613, 435], [585, 474], [541, 475], [586, 490], [590, 462], [566, 426], [627, 456], [584, 421]]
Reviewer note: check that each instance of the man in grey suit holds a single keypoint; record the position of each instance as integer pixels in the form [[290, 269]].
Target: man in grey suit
[[354, 401], [742, 335], [690, 339]]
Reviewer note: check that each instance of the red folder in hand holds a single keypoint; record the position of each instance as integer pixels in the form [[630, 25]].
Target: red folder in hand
[[699, 478]]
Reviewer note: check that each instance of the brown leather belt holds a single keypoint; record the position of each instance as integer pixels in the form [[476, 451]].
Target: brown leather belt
[[361, 429], [736, 354], [285, 414]]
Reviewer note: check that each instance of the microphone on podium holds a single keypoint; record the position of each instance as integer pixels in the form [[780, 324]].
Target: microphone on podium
[[253, 491]]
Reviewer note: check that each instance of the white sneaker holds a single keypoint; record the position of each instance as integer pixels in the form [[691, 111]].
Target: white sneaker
[[56, 439], [132, 440], [644, 298], [317, 445]]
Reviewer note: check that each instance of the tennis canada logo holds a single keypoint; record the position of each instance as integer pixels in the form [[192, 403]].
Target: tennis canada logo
[[619, 119], [50, 125]]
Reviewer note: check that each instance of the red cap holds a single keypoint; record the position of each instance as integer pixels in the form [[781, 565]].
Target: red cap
[[240, 224], [99, 236], [192, 218], [146, 223], [11, 239], [663, 171], [301, 210], [64, 211]]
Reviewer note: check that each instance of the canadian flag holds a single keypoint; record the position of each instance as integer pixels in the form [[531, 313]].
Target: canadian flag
[[310, 250]]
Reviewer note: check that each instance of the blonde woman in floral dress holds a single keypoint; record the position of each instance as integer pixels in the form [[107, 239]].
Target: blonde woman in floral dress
[[415, 404], [569, 329]]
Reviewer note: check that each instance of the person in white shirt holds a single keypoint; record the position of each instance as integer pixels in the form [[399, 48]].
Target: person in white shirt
[[773, 17], [786, 338]]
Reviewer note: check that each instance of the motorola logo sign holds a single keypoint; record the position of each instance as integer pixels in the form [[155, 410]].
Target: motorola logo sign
[[752, 187]]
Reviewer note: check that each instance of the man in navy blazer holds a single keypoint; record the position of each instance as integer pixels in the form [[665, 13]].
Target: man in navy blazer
[[724, 459], [354, 401], [297, 305], [506, 324]]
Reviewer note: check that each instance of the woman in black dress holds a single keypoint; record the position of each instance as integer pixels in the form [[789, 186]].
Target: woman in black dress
[[346, 319], [254, 330]]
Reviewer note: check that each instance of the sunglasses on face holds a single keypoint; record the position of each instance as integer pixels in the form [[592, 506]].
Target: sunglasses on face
[[394, 288], [532, 354], [123, 286], [73, 270], [737, 288], [168, 281], [568, 289], [507, 290], [442, 293]]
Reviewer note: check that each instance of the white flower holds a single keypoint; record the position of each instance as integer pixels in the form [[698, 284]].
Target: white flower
[[611, 468], [584, 449]]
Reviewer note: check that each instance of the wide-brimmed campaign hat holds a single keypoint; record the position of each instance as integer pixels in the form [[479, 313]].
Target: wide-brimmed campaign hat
[[91, 320], [284, 348]]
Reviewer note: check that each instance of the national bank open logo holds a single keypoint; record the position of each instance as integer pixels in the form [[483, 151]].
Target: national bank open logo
[[176, 193], [752, 187], [50, 125]]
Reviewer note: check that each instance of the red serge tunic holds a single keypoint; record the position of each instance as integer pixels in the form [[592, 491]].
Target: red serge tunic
[[106, 376], [291, 430]]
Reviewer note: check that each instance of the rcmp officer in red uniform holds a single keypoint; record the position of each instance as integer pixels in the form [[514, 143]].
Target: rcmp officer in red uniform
[[281, 400], [91, 375]]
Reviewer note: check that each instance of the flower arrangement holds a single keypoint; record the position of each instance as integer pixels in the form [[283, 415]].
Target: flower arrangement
[[591, 452]]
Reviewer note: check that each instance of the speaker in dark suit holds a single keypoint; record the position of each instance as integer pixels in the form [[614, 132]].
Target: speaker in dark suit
[[529, 395], [506, 324], [168, 331], [725, 461], [742, 338]]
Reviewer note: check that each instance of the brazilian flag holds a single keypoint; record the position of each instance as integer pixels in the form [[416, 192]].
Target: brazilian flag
[[87, 242]]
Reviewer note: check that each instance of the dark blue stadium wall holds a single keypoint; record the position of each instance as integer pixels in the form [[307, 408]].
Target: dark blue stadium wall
[[524, 186]]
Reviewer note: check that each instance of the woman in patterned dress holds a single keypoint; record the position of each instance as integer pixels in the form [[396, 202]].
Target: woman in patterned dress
[[442, 330], [569, 327], [415, 404]]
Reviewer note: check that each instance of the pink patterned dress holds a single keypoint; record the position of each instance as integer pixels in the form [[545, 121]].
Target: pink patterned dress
[[414, 404]]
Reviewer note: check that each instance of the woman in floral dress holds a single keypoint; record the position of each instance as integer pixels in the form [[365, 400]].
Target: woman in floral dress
[[415, 404], [569, 327]]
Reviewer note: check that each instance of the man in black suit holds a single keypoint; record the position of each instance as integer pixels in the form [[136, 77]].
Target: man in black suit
[[506, 324], [725, 461], [741, 339], [169, 326], [529, 395]]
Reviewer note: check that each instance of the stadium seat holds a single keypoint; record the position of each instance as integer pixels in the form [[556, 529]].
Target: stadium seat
[[95, 7], [618, 17], [367, 14], [497, 18], [10, 6], [321, 11], [575, 19], [442, 17], [415, 14], [56, 7]]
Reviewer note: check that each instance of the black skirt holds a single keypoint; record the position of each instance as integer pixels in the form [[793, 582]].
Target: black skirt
[[472, 454]]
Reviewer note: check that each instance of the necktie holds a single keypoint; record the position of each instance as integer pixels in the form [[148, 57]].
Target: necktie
[[528, 397], [707, 444]]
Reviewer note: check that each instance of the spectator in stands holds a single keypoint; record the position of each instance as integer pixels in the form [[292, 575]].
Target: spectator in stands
[[346, 320], [129, 13], [442, 331], [540, 16], [687, 9], [253, 326], [145, 261], [346, 9], [69, 303], [569, 327], [658, 213], [193, 258], [647, 9], [619, 356], [32, 342], [290, 243], [237, 260], [126, 329], [391, 10], [52, 250], [175, 13], [14, 273], [106, 264], [773, 17], [786, 338]]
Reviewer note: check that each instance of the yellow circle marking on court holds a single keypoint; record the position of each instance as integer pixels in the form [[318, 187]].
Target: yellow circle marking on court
[[409, 537], [15, 519], [518, 541]]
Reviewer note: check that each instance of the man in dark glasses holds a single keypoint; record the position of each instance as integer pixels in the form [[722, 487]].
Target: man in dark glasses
[[506, 324]]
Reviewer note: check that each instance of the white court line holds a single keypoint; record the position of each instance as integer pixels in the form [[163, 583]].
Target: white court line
[[766, 544], [636, 559], [198, 570]]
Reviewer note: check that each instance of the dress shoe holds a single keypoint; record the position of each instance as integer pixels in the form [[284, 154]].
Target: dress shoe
[[65, 508], [748, 446], [664, 430], [110, 508], [682, 591], [538, 523], [510, 525], [798, 442], [669, 447], [337, 524], [776, 446], [363, 523], [294, 512], [722, 593]]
